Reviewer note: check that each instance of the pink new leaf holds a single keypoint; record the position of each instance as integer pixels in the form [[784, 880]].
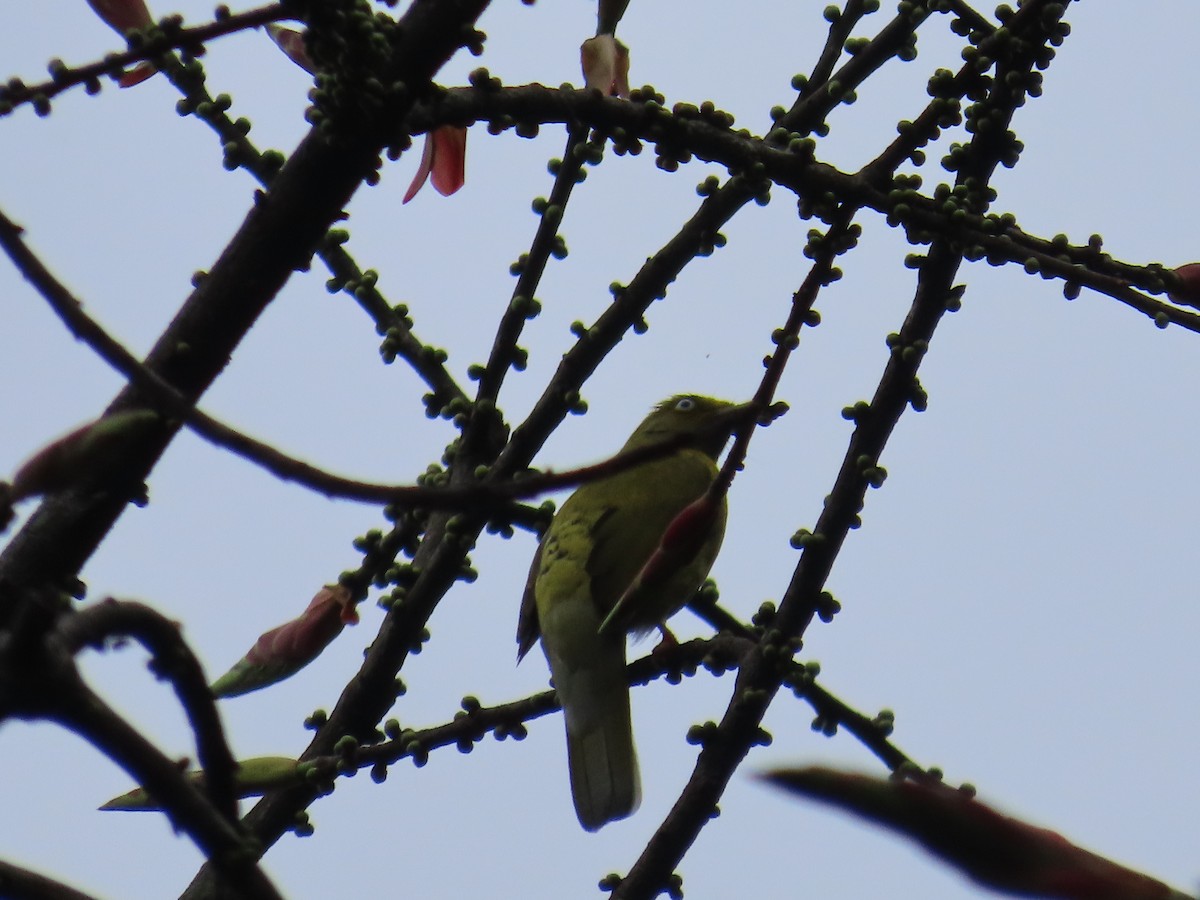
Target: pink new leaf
[[1188, 291], [605, 63], [284, 651], [449, 158], [136, 75], [445, 157], [995, 850], [291, 42], [124, 16], [83, 453]]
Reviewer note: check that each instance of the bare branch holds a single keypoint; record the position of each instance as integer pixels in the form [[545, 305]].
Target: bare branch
[[172, 403], [229, 852], [17, 883], [760, 677], [172, 37], [279, 235], [173, 661]]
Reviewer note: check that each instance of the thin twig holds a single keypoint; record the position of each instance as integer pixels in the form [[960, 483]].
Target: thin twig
[[719, 653], [977, 20], [166, 399], [925, 217], [16, 93], [827, 707], [532, 265]]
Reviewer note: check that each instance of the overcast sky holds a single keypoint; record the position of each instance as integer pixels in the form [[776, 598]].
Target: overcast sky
[[1021, 593]]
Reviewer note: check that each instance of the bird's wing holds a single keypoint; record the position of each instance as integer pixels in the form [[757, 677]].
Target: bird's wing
[[528, 627], [607, 531], [625, 539]]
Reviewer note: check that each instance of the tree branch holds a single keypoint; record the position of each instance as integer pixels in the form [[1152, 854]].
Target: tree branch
[[172, 660], [15, 93], [172, 403], [231, 855], [278, 236], [17, 883], [758, 682]]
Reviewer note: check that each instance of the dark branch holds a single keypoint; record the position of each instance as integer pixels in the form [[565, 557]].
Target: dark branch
[[21, 884], [760, 675], [15, 93], [172, 660], [171, 402], [229, 852], [279, 235]]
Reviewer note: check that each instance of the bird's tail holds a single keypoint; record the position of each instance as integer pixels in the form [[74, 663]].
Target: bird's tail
[[604, 770]]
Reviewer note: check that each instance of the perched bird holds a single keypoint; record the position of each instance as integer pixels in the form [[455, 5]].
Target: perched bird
[[590, 585]]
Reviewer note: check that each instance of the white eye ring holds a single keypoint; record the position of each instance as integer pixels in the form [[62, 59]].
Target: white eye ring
[[685, 404]]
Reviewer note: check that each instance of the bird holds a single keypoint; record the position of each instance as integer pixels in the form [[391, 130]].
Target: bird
[[591, 583]]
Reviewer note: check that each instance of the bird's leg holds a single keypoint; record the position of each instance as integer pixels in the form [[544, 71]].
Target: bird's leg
[[667, 643]]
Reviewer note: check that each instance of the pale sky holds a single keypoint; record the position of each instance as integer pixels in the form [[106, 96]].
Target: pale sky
[[1021, 593]]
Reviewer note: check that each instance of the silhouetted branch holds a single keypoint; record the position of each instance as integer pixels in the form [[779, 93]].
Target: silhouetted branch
[[719, 654], [372, 94], [725, 746], [974, 19], [831, 712], [173, 661], [531, 265], [168, 400], [278, 236], [171, 36], [17, 883], [229, 852]]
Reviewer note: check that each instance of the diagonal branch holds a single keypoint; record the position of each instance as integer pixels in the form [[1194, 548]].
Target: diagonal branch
[[278, 236], [189, 809], [18, 882], [15, 93], [726, 746], [168, 400]]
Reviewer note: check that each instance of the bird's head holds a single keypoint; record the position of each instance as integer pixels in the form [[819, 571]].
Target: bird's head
[[708, 420]]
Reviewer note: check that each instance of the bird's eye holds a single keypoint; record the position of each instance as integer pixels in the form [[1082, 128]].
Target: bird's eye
[[685, 404]]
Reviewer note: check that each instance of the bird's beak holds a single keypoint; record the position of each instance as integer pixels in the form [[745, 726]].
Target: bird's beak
[[729, 420], [716, 431]]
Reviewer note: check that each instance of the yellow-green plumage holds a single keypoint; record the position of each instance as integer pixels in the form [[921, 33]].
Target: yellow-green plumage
[[594, 549]]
